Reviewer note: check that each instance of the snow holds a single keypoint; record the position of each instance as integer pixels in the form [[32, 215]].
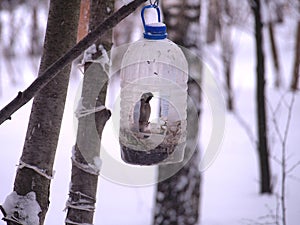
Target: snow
[[25, 209], [88, 53], [88, 168], [108, 10], [81, 205], [104, 59], [42, 172], [230, 188], [182, 183], [81, 111], [97, 162]]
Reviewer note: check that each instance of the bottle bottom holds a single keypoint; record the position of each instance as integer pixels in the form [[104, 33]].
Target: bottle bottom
[[161, 154]]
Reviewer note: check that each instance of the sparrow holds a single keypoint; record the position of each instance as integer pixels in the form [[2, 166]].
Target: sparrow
[[142, 111]]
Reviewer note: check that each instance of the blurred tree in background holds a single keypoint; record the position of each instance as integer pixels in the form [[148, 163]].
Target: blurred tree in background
[[178, 197], [22, 31]]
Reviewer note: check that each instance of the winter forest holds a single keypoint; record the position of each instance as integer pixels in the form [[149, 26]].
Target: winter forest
[[62, 86]]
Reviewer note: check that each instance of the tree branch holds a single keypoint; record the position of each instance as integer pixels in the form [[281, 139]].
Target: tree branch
[[40, 82]]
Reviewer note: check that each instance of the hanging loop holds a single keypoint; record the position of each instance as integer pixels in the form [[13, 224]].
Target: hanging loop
[[148, 7]]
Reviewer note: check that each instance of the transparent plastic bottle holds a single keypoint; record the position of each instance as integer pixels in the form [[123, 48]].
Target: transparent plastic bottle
[[154, 75]]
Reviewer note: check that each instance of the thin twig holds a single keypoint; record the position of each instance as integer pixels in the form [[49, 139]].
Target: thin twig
[[247, 129], [276, 159], [40, 82], [283, 139], [277, 216], [293, 167], [293, 177]]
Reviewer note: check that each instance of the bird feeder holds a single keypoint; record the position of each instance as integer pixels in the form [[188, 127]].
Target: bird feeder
[[154, 76]]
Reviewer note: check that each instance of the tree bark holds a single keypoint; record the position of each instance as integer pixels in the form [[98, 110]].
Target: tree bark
[[227, 70], [296, 68], [35, 44], [36, 163], [178, 198], [83, 26], [82, 196], [274, 54], [52, 71], [275, 16], [227, 48], [265, 174], [213, 21]]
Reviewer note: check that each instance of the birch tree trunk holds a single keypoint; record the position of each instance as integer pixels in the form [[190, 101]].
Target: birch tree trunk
[[178, 198], [36, 164], [85, 160], [262, 145]]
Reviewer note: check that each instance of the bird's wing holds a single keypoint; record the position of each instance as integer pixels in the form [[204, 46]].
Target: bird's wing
[[136, 114]]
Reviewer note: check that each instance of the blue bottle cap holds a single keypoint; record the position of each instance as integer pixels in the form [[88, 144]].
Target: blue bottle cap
[[155, 31]]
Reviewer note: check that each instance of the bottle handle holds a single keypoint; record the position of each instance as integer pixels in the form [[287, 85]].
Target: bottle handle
[[148, 7]]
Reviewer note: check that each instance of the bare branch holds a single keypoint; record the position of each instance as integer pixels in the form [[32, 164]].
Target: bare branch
[[293, 167], [293, 177], [247, 129], [276, 160], [40, 82], [283, 140], [290, 109]]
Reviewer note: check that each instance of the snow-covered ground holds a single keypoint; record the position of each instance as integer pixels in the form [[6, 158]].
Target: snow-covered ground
[[230, 185]]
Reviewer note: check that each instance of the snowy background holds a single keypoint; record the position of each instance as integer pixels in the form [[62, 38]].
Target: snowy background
[[230, 185]]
